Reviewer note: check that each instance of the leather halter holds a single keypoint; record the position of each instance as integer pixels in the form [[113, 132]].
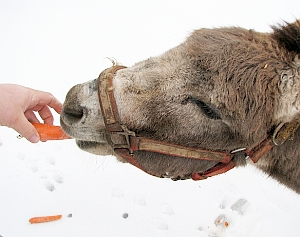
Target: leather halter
[[125, 142]]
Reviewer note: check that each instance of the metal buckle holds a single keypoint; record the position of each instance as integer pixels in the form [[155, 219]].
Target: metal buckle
[[239, 150], [125, 134], [285, 131]]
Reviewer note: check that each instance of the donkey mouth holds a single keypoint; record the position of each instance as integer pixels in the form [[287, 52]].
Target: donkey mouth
[[97, 148], [87, 139], [82, 132], [90, 141]]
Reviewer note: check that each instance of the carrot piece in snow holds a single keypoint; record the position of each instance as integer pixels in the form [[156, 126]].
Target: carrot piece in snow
[[42, 219], [50, 132]]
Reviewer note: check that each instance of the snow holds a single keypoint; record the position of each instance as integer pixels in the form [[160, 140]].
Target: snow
[[52, 45]]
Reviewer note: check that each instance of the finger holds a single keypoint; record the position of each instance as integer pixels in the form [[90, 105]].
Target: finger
[[45, 98], [29, 114], [57, 106], [26, 129], [46, 115]]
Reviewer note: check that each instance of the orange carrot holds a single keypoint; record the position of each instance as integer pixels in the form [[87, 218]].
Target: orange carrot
[[42, 219], [50, 132]]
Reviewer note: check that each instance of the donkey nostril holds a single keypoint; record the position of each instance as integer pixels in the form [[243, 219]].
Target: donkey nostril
[[77, 114], [73, 115]]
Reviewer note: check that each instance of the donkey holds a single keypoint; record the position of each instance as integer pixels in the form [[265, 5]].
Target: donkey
[[199, 109]]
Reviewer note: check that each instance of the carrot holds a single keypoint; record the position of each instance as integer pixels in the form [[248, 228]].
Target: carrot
[[42, 219], [50, 132]]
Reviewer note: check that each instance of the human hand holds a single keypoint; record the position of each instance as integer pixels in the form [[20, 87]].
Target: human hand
[[17, 106]]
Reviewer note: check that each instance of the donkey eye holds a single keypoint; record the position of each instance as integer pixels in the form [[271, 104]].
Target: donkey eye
[[206, 109]]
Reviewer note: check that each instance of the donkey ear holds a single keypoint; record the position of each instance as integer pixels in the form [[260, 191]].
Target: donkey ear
[[288, 35]]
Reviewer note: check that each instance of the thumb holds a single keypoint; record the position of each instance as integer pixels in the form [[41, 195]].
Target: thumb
[[27, 130]]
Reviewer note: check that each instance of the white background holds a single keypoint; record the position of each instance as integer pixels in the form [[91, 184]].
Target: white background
[[53, 45]]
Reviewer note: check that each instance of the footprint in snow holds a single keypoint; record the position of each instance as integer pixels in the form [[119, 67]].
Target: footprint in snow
[[117, 193], [58, 177], [20, 156], [51, 178], [230, 211], [32, 165], [222, 222], [48, 184], [44, 168], [50, 160], [161, 224], [167, 209], [140, 200], [240, 206]]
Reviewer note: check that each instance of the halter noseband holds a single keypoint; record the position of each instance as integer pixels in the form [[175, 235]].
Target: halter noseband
[[125, 142]]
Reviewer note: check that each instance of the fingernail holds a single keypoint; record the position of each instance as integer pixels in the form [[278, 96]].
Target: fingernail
[[35, 138]]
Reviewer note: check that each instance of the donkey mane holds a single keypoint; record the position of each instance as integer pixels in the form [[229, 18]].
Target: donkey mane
[[288, 35]]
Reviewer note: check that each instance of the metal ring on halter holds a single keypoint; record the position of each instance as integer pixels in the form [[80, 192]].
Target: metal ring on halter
[[238, 150]]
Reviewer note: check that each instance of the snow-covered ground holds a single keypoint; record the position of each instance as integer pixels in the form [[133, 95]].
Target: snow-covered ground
[[52, 45]]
